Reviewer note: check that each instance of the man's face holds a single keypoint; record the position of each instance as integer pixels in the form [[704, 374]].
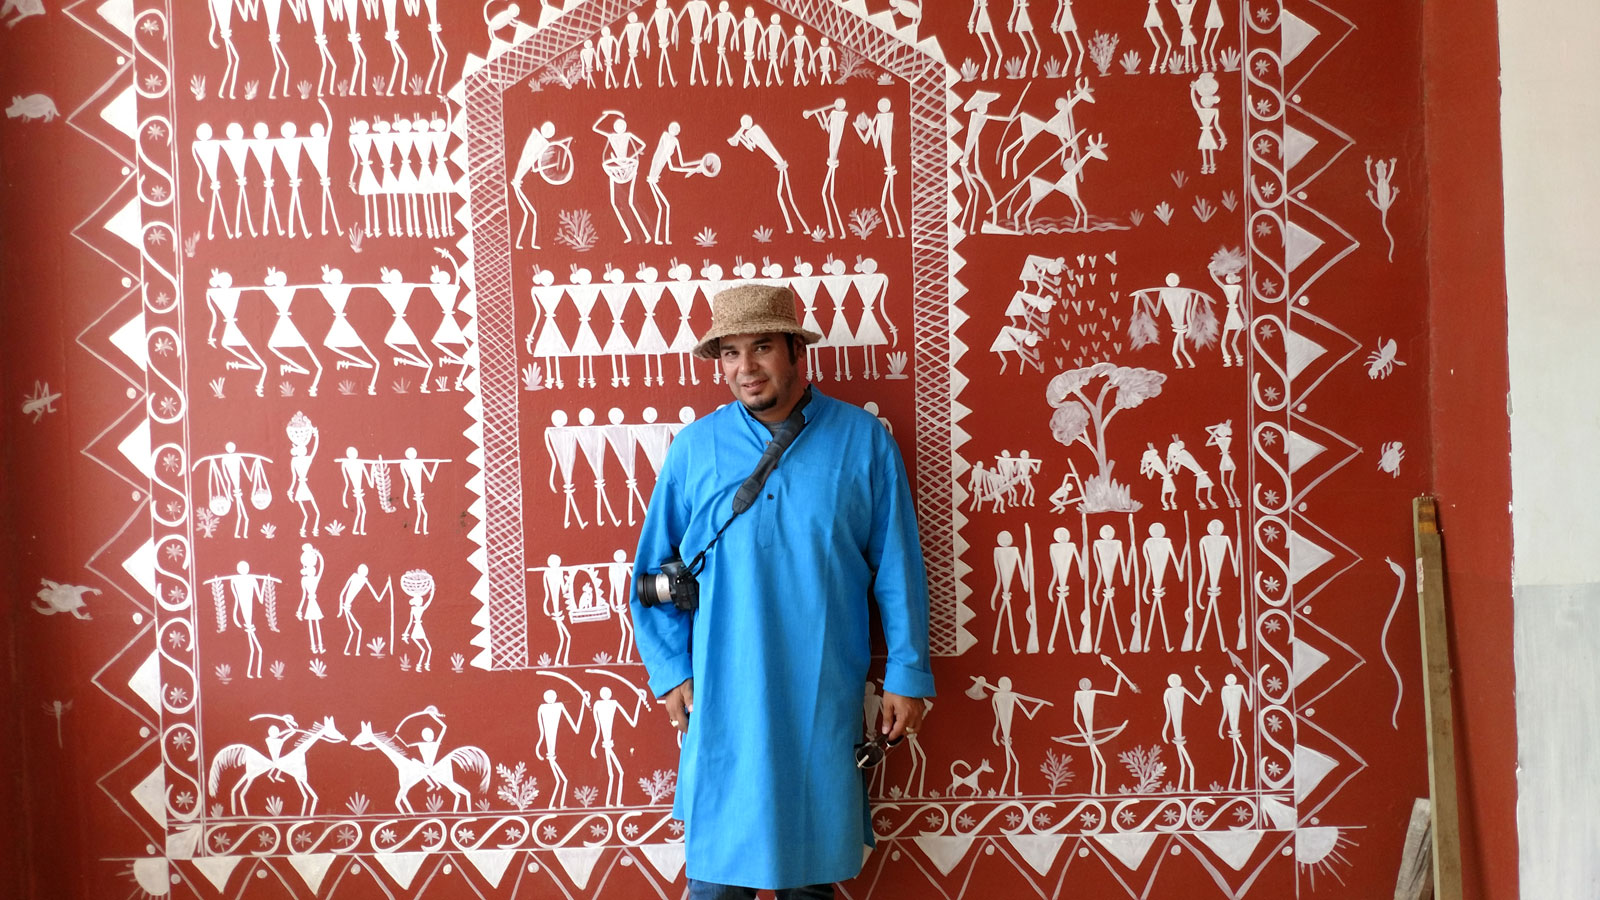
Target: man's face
[[761, 373]]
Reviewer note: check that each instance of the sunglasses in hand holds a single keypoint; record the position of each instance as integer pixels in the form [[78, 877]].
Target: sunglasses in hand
[[870, 753]]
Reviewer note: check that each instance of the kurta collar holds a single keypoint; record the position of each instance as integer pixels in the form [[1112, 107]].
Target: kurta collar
[[818, 399]]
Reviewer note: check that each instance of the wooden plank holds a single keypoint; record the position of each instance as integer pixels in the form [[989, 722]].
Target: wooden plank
[[1416, 861], [1437, 700]]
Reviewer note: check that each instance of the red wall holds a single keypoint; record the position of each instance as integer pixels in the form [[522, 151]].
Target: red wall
[[1470, 423], [1363, 85]]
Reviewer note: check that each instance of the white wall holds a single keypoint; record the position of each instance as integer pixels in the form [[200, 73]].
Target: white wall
[[1550, 120]]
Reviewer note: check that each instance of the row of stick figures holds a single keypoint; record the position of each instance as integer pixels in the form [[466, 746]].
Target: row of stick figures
[[399, 168], [319, 13], [289, 344]]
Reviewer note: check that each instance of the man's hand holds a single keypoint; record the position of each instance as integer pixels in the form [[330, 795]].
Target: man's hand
[[680, 703], [901, 715]]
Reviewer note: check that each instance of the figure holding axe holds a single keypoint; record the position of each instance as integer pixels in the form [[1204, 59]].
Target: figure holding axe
[[1088, 736], [1006, 702]]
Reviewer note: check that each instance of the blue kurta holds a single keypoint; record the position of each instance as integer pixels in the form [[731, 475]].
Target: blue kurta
[[767, 783]]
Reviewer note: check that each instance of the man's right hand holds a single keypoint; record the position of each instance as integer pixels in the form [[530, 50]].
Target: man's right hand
[[680, 703]]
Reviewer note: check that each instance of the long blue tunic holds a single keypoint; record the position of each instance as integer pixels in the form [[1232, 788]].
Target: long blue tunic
[[767, 784]]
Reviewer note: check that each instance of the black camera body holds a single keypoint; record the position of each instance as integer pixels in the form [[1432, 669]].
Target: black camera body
[[674, 583]]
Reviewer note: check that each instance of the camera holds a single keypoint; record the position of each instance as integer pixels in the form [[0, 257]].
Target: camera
[[674, 584]]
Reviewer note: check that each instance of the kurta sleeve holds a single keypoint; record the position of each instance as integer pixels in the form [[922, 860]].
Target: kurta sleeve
[[900, 580], [662, 632]]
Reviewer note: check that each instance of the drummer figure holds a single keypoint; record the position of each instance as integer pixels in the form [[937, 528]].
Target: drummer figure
[[621, 165]]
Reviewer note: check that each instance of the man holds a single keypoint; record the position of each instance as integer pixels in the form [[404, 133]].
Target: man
[[765, 677]]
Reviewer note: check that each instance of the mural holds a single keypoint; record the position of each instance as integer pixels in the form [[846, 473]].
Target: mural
[[423, 432]]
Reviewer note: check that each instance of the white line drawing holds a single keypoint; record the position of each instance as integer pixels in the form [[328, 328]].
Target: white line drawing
[[1065, 557], [1060, 125], [1008, 560], [415, 470], [1226, 268], [342, 337], [727, 36], [1390, 455], [698, 12], [831, 119], [1157, 551], [327, 66], [347, 600], [43, 400], [621, 164], [1151, 465], [1088, 736], [261, 149], [799, 48], [1006, 703], [23, 9], [357, 475], [1210, 59], [592, 441], [366, 186], [57, 597], [1215, 550], [1110, 558], [550, 715], [418, 586], [276, 763], [1078, 419], [776, 49], [668, 155], [441, 774], [878, 131], [448, 338], [753, 137], [400, 337], [1066, 185], [226, 474], [619, 573], [1189, 312], [1234, 696], [550, 345], [238, 150], [606, 50], [980, 24], [401, 68], [917, 759], [57, 709], [606, 710], [207, 152], [1220, 436], [1382, 196], [1186, 40], [1204, 96], [287, 149], [1020, 24], [561, 443], [31, 108], [1065, 25], [441, 53], [1380, 362], [1383, 641], [633, 35], [245, 588], [1172, 726], [1160, 41], [969, 778], [1179, 457], [970, 166], [558, 586], [823, 60], [304, 441], [309, 611], [222, 26], [222, 300], [747, 37], [665, 24], [1021, 341], [285, 336], [624, 443]]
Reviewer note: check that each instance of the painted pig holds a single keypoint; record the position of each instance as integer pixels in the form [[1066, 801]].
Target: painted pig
[[33, 106]]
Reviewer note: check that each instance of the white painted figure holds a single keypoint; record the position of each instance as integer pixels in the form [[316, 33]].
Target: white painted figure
[[309, 611], [347, 607], [753, 137], [1172, 726], [878, 131], [418, 586], [606, 711]]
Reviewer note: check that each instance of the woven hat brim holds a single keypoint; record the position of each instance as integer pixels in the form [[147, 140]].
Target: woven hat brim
[[706, 349]]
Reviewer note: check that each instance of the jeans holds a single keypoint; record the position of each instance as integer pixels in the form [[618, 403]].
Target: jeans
[[706, 890]]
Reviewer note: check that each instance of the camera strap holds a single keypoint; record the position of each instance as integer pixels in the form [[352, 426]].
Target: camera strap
[[747, 493]]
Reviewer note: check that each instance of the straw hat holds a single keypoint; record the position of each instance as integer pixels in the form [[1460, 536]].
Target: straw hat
[[751, 309]]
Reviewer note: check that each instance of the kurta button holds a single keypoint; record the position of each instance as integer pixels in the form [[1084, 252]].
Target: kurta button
[[769, 496]]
